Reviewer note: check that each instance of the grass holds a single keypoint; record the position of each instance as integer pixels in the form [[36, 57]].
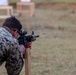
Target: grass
[[54, 52], [47, 1]]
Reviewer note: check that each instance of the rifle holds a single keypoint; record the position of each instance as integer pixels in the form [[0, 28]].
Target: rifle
[[23, 39]]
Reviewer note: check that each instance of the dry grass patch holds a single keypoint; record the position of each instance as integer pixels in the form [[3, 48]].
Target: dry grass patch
[[54, 52]]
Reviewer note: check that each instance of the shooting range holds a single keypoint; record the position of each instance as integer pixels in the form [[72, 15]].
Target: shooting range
[[54, 51]]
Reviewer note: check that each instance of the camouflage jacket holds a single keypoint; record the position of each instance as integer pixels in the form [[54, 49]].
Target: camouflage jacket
[[10, 52]]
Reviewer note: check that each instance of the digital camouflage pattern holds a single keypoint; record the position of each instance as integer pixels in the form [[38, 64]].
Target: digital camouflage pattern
[[10, 52]]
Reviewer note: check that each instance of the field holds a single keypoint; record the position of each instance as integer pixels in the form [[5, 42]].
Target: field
[[47, 1], [54, 52]]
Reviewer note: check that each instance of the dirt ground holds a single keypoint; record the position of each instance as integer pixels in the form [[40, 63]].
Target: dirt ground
[[56, 5], [52, 5]]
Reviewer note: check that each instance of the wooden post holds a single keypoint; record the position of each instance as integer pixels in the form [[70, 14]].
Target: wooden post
[[28, 62]]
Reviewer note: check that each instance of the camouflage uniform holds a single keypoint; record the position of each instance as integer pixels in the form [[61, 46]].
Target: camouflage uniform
[[10, 52]]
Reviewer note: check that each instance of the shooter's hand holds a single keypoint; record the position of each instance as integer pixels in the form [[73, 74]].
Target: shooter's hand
[[22, 50], [28, 45]]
